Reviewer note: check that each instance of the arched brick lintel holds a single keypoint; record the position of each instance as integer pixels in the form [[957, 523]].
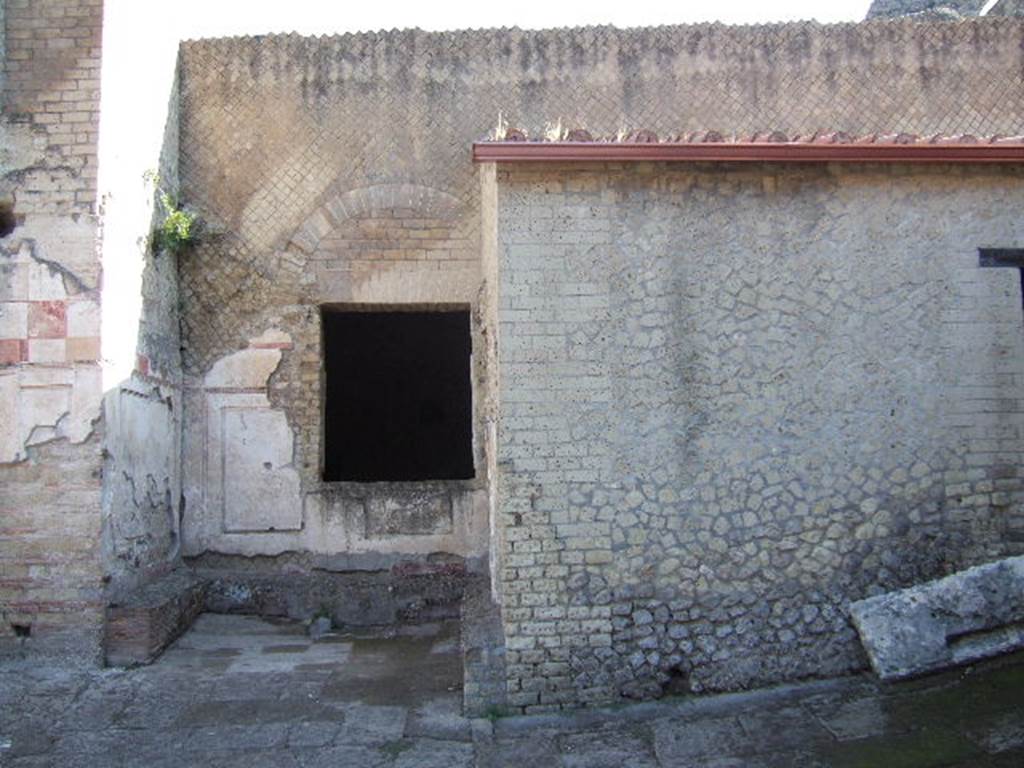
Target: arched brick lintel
[[359, 202]]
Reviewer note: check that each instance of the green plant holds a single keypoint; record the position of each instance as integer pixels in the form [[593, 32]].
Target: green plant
[[495, 712], [394, 748], [179, 227]]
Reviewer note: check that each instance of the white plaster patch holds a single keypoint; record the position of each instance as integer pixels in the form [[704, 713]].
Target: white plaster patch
[[60, 241], [10, 436], [14, 320], [42, 403], [20, 147], [271, 337], [249, 445], [83, 319], [141, 436], [86, 401], [39, 411], [45, 376], [247, 369], [261, 490], [45, 283], [47, 350], [40, 435], [13, 280]]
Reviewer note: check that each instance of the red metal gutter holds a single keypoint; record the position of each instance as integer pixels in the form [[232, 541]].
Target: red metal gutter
[[746, 152]]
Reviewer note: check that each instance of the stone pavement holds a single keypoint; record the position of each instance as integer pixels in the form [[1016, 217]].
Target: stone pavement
[[241, 691]]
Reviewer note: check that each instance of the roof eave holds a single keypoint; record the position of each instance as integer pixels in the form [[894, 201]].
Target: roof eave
[[745, 152]]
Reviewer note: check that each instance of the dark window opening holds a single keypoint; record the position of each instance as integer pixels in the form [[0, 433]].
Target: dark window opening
[[8, 221], [22, 630], [398, 400], [1003, 257]]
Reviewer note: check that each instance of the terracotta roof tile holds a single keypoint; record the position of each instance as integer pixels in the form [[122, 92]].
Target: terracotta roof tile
[[642, 136], [763, 146]]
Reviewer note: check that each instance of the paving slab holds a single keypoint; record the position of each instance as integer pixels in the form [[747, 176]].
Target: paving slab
[[439, 718], [1004, 734], [258, 706], [539, 750], [430, 753], [343, 756], [373, 724], [851, 719], [609, 748], [683, 742]]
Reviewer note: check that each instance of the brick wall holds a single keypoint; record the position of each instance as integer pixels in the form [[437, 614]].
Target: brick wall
[[394, 238], [53, 84], [735, 400], [50, 570], [385, 244], [623, 556], [310, 155]]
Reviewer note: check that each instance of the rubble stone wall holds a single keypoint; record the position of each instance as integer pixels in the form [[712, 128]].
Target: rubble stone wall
[[734, 400]]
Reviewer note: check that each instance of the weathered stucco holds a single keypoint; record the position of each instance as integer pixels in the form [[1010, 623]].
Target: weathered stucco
[[50, 388], [141, 489]]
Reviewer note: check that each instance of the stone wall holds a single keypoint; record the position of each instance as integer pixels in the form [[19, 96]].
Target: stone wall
[[1007, 8], [952, 8], [736, 399], [295, 149], [654, 524], [50, 388], [949, 10]]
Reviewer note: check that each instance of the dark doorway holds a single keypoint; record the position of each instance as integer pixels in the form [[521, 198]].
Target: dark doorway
[[398, 400]]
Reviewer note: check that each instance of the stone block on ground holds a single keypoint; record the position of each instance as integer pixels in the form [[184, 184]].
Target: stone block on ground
[[958, 619], [141, 624]]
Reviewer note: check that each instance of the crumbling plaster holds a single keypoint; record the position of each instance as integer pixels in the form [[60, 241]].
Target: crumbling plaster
[[142, 487], [245, 496], [50, 309], [50, 380]]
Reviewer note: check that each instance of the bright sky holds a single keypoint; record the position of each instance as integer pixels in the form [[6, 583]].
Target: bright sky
[[211, 18]]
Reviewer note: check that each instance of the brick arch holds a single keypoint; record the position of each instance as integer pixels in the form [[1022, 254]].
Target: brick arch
[[341, 206]]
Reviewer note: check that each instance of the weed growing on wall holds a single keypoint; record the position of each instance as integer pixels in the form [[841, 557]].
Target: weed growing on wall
[[177, 227]]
